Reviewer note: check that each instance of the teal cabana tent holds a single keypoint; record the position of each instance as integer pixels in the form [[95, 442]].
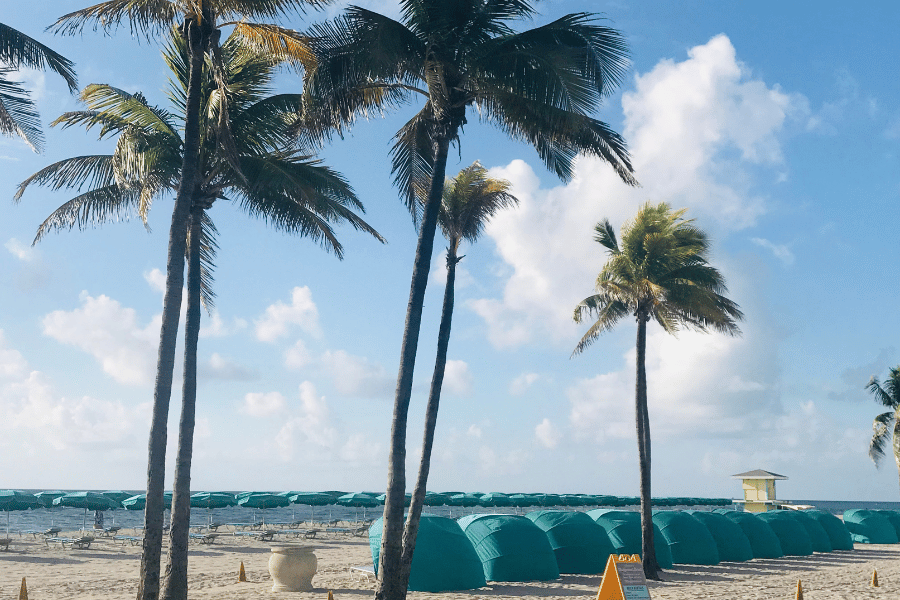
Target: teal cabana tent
[[623, 528], [838, 534], [791, 535], [869, 527], [511, 548], [444, 559], [731, 541], [763, 541], [690, 542], [894, 517], [580, 545], [817, 534]]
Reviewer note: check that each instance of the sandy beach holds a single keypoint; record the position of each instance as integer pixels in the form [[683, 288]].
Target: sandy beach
[[109, 570]]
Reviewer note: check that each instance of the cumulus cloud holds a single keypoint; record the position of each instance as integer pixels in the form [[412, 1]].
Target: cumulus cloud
[[279, 317], [547, 434], [259, 404], [33, 272], [699, 131], [457, 378], [356, 375], [309, 426], [520, 384], [156, 279], [220, 367], [216, 327], [110, 333], [297, 356]]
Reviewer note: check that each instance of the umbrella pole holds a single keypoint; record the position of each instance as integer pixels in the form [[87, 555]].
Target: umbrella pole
[[84, 520], [7, 522]]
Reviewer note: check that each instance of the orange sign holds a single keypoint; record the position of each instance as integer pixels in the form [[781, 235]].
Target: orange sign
[[623, 579]]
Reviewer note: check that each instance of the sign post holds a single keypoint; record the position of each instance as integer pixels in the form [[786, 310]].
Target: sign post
[[623, 579]]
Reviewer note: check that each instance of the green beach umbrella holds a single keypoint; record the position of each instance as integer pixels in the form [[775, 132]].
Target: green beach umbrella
[[47, 497], [310, 499], [117, 495], [87, 501], [211, 500], [139, 501], [360, 500], [467, 500], [436, 499], [11, 500], [495, 499], [262, 501]]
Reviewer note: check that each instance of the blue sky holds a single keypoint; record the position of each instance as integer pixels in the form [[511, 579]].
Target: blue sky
[[776, 124]]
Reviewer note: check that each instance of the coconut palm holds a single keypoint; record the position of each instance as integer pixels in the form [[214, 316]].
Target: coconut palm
[[200, 22], [470, 199], [659, 272], [540, 86], [886, 425], [18, 115], [276, 182]]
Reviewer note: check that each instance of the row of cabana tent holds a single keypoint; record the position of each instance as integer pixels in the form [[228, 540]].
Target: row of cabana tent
[[541, 545]]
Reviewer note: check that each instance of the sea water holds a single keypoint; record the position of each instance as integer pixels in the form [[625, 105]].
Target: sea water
[[71, 519]]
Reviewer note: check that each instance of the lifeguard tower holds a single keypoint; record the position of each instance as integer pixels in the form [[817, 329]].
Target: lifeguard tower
[[759, 491]]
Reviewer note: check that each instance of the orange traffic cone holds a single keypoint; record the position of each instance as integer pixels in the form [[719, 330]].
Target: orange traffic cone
[[242, 575], [875, 578], [799, 595], [23, 591]]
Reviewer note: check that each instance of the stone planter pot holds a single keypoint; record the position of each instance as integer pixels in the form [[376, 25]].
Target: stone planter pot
[[292, 568]]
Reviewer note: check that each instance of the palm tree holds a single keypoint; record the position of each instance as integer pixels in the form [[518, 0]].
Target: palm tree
[[18, 115], [276, 181], [660, 272], [538, 86], [887, 425], [469, 201], [200, 23]]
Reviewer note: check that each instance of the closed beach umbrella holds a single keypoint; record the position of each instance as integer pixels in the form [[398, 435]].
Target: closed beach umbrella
[[11, 500], [436, 499], [495, 499], [87, 501], [468, 500]]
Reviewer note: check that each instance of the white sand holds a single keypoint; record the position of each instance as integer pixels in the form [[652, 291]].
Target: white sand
[[109, 570]]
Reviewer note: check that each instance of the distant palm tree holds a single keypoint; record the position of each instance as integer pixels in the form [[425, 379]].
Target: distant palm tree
[[470, 199], [278, 182], [887, 425], [659, 272], [18, 114], [538, 86], [200, 22]]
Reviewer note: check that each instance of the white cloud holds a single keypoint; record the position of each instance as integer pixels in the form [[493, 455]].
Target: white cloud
[[297, 356], [156, 279], [521, 383], [356, 375], [699, 131], [110, 333], [781, 251], [20, 250], [220, 367], [311, 426], [259, 404], [278, 318], [457, 378], [547, 434], [216, 327], [474, 431]]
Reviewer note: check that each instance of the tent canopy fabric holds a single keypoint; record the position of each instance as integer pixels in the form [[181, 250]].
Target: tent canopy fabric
[[690, 542], [731, 542], [444, 559], [817, 534], [623, 528], [869, 527], [894, 517], [763, 541], [791, 534], [511, 548], [837, 532], [580, 545]]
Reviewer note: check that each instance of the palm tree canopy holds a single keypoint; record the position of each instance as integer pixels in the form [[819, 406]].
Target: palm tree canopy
[[18, 115], [281, 182], [659, 271], [470, 199], [886, 425], [539, 86]]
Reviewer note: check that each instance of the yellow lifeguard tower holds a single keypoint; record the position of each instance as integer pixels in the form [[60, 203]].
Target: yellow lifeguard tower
[[759, 491]]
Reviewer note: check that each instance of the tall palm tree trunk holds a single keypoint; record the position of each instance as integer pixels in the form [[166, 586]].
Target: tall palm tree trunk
[[390, 583], [148, 588], [175, 584], [642, 421], [431, 414]]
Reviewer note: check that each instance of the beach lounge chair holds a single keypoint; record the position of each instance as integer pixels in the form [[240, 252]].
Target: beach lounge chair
[[204, 538], [82, 543], [128, 539], [363, 572], [110, 531]]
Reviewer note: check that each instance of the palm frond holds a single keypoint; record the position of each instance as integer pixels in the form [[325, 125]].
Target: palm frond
[[18, 114], [19, 50], [607, 313], [470, 200], [881, 435], [605, 235], [282, 44], [145, 17], [91, 209], [94, 171], [208, 248], [882, 395], [412, 160]]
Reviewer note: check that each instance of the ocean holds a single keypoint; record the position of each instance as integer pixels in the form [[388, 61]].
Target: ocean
[[71, 519]]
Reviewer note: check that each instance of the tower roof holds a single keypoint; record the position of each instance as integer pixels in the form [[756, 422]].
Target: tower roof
[[758, 474]]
